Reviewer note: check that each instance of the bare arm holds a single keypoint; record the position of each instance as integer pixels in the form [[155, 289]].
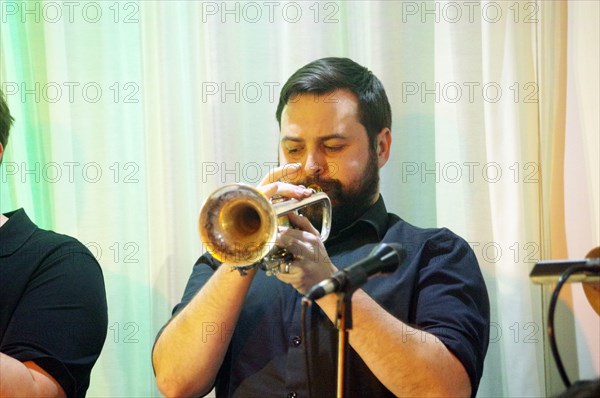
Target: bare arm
[[26, 379], [408, 361], [186, 358]]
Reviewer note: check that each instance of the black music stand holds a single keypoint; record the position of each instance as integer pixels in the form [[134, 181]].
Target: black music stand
[[548, 271]]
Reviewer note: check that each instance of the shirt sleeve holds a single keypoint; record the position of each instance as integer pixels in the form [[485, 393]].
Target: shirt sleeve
[[453, 303], [203, 269], [61, 320]]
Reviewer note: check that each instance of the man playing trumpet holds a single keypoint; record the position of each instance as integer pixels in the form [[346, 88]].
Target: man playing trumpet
[[420, 331]]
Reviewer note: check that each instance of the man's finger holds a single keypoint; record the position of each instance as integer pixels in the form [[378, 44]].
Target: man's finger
[[302, 223], [286, 172], [286, 190]]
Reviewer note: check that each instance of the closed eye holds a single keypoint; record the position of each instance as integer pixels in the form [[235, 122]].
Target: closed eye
[[334, 148], [292, 151]]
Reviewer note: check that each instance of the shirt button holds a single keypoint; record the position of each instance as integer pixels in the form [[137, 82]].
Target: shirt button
[[292, 394], [296, 341]]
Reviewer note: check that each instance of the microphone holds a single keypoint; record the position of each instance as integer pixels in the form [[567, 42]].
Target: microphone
[[384, 258]]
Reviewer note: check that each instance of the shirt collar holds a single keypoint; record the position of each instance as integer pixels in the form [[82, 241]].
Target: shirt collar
[[376, 217], [15, 232]]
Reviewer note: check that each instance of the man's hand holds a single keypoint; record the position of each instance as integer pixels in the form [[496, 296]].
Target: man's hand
[[274, 183], [311, 264]]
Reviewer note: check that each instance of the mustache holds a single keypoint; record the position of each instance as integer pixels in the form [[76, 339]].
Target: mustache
[[331, 186]]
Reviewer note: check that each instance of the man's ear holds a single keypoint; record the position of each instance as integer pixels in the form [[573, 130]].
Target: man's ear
[[383, 146], [1, 152]]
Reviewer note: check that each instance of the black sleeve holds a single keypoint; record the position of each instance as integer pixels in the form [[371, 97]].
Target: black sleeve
[[453, 303], [203, 269], [61, 319]]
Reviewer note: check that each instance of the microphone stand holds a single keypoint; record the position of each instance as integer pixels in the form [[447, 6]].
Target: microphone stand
[[343, 324], [384, 258]]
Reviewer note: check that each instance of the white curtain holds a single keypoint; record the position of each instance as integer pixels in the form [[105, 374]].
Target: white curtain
[[129, 113]]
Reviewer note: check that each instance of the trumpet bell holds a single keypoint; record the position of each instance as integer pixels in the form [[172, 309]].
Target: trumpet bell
[[236, 224]]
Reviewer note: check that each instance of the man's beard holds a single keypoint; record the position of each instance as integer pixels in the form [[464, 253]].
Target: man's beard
[[347, 203]]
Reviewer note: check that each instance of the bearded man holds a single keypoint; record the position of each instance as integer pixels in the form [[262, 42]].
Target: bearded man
[[420, 331]]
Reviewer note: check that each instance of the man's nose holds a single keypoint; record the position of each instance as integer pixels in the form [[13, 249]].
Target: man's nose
[[315, 164]]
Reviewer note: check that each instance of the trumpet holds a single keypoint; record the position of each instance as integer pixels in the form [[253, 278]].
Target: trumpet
[[238, 224]]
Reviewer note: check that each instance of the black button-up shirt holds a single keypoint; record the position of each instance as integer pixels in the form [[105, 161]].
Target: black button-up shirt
[[52, 302], [439, 289]]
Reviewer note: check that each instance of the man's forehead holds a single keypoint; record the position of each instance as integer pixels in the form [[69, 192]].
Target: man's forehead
[[322, 110]]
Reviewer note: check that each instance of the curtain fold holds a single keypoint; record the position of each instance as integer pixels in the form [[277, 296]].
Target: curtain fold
[[552, 65]]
